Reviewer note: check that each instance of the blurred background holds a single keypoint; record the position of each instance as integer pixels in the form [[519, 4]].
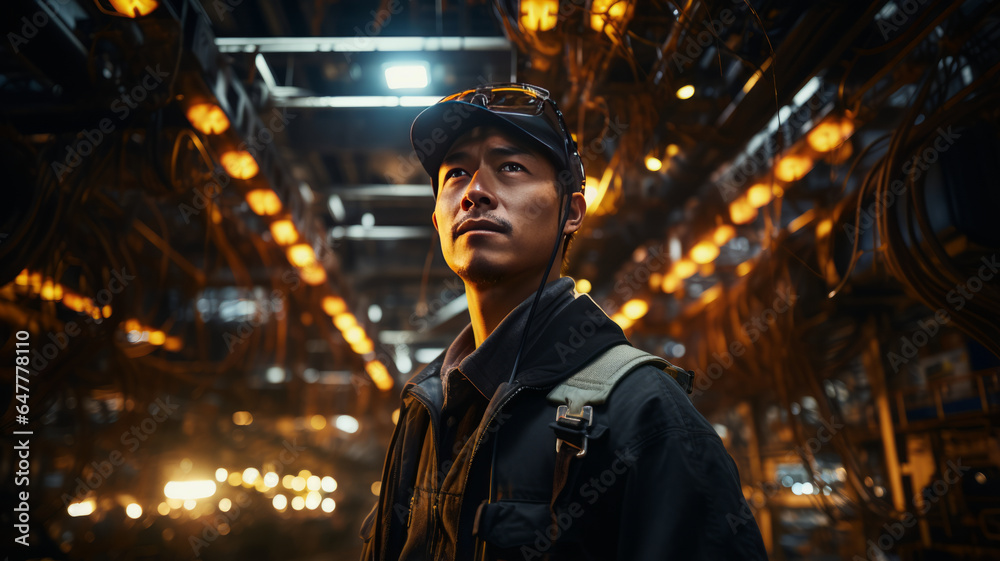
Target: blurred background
[[218, 267]]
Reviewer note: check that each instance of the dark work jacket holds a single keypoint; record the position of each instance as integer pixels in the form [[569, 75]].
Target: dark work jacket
[[656, 483]]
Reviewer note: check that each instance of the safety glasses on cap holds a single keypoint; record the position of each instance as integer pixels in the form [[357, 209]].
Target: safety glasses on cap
[[524, 99]]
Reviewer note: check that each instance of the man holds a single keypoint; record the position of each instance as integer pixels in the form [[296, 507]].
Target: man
[[472, 471]]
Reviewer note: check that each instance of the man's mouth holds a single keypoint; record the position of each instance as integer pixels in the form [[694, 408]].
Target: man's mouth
[[479, 225]]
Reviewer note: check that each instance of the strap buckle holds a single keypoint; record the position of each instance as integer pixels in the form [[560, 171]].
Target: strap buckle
[[578, 423]]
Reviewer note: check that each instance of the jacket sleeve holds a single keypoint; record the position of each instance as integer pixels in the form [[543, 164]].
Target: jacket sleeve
[[682, 498]]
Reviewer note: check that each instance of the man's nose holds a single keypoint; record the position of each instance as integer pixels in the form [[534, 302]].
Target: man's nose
[[478, 193]]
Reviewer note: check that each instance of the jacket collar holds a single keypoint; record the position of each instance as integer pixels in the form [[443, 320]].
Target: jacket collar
[[568, 330]]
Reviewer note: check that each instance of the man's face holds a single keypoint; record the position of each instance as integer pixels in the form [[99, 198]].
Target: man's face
[[497, 208]]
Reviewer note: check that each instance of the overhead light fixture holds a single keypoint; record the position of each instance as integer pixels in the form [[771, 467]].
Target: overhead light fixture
[[239, 164], [685, 92], [583, 286], [264, 202], [410, 75], [208, 118], [653, 163]]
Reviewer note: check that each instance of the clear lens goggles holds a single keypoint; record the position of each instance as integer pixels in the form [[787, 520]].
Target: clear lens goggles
[[522, 99]]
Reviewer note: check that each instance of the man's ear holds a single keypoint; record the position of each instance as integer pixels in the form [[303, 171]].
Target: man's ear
[[577, 211], [434, 220]]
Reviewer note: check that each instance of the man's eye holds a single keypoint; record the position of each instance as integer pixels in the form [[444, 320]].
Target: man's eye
[[511, 167], [453, 173]]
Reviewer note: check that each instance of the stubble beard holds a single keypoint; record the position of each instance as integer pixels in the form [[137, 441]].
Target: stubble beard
[[480, 272]]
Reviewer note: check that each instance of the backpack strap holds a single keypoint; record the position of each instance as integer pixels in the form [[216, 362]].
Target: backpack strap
[[590, 386]]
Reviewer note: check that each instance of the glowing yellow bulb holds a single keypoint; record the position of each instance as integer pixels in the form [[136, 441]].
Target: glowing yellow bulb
[[759, 195], [314, 274], [670, 283], [133, 510], [157, 337], [539, 15], [704, 252], [250, 475], [208, 118], [51, 291], [354, 334], [264, 202], [793, 167], [743, 268], [824, 227], [830, 134], [363, 346], [583, 286], [617, 11], [741, 211], [279, 502], [334, 305], [684, 269], [635, 308], [344, 321], [653, 163], [242, 418], [685, 92], [239, 164], [301, 255], [379, 374], [284, 232], [723, 234], [317, 422], [134, 8]]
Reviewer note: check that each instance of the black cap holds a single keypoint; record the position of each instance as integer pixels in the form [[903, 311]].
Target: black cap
[[438, 127]]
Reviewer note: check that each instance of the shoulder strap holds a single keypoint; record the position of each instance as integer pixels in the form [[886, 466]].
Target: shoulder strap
[[593, 383], [591, 386]]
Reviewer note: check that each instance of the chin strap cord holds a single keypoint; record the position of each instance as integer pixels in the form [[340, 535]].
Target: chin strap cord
[[563, 218]]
